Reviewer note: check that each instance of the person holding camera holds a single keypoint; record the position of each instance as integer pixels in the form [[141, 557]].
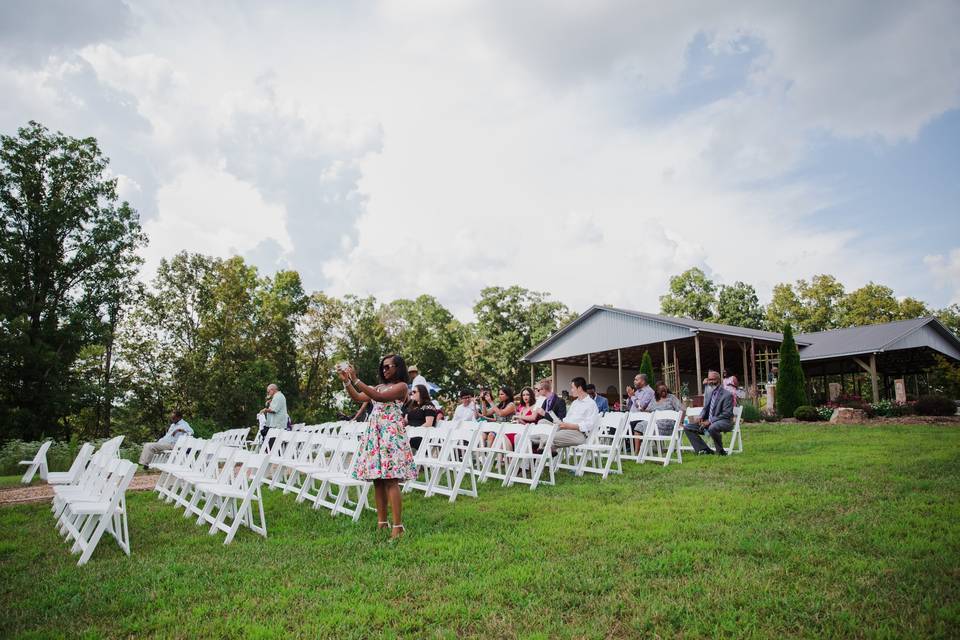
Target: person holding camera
[[385, 457]]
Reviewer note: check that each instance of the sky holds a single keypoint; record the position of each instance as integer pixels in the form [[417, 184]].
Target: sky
[[589, 150]]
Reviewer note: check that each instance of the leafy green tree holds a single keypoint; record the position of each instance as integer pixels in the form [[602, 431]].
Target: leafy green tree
[[692, 295], [362, 338], [809, 306], [509, 323], [646, 366], [950, 317], [870, 304], [428, 335], [67, 246], [317, 345], [791, 384], [280, 303], [912, 308], [739, 306]]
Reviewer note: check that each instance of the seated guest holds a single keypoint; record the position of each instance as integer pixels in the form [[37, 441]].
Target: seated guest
[[602, 405], [581, 419], [716, 418], [466, 411], [415, 377], [663, 400], [419, 412], [551, 402], [731, 384], [178, 428], [503, 411], [527, 413], [641, 400]]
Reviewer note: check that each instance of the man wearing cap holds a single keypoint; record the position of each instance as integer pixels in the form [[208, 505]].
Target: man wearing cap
[[466, 410], [415, 377]]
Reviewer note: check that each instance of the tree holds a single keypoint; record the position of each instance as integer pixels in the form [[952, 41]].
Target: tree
[[67, 246], [509, 323], [316, 351], [280, 303], [646, 366], [428, 335], [692, 295], [911, 308], [809, 306], [739, 306], [950, 317], [870, 304], [791, 384]]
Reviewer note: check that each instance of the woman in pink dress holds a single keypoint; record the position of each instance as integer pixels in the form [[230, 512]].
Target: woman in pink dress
[[384, 454]]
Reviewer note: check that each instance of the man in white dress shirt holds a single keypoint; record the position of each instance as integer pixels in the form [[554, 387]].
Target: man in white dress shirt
[[466, 410], [582, 417], [178, 428]]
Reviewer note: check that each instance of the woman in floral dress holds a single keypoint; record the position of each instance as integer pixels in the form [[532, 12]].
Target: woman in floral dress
[[385, 457]]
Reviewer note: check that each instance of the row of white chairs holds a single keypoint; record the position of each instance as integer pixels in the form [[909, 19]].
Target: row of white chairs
[[232, 437], [216, 482], [90, 499]]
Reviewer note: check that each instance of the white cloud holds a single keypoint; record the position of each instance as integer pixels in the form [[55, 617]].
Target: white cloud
[[440, 147], [204, 209], [946, 271]]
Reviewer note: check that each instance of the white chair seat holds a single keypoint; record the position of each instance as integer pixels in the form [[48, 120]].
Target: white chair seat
[[98, 507]]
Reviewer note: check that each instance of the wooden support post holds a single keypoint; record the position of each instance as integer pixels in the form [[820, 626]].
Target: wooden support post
[[666, 363], [533, 382], [676, 371], [746, 374], [589, 369], [753, 366], [619, 376], [553, 377], [696, 348], [722, 365], [872, 370]]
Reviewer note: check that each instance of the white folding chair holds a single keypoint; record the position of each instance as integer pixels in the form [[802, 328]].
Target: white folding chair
[[230, 498], [736, 438], [690, 415], [455, 462], [603, 447], [653, 447], [79, 464], [525, 466], [38, 463], [431, 444], [86, 518], [335, 486], [632, 443]]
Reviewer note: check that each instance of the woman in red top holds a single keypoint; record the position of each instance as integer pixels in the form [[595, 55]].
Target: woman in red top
[[526, 412]]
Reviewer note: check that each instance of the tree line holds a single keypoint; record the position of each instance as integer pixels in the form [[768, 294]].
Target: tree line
[[87, 349], [818, 304]]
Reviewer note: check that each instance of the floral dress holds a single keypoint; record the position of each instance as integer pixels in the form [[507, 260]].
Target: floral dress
[[384, 448]]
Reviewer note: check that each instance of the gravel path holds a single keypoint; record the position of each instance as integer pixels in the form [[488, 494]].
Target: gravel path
[[44, 492]]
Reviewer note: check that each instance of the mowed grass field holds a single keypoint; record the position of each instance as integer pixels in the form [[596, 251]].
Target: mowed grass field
[[816, 531]]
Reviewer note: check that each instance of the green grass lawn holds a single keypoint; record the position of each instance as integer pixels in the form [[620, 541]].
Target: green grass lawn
[[817, 531]]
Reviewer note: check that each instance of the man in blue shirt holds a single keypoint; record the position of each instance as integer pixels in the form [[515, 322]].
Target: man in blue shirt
[[602, 405]]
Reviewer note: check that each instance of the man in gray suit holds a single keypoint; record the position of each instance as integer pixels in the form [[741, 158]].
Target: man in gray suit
[[717, 418]]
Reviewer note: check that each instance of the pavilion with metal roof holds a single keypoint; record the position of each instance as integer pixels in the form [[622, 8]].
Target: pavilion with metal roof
[[606, 345]]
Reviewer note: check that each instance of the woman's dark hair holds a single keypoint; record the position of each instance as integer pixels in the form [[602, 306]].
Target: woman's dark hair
[[509, 393], [399, 369], [661, 391], [424, 394], [533, 397]]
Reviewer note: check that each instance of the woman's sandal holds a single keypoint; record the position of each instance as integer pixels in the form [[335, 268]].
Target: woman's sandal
[[394, 535], [380, 525]]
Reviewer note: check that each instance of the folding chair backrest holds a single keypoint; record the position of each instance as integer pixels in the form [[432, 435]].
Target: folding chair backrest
[[80, 462]]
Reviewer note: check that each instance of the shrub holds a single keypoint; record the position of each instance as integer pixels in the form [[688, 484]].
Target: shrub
[[888, 409], [791, 386], [806, 413], [825, 412], [750, 413], [770, 417], [646, 366], [935, 406]]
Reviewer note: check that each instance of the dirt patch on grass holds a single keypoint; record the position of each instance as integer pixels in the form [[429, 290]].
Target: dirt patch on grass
[[44, 492]]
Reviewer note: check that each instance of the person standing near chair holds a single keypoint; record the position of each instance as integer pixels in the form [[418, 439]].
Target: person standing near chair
[[178, 428], [716, 418], [385, 457]]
